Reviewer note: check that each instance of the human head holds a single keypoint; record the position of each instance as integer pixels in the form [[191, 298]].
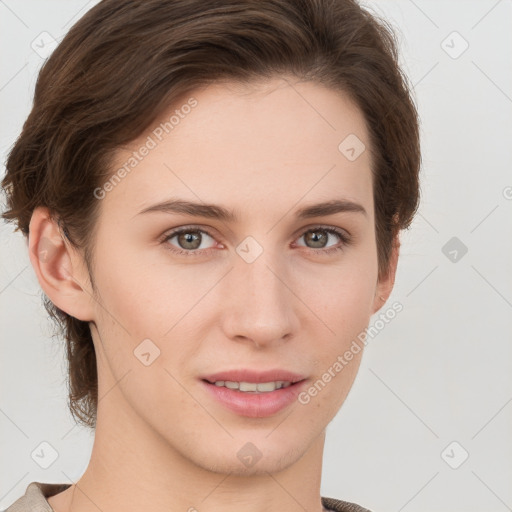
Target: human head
[[125, 62]]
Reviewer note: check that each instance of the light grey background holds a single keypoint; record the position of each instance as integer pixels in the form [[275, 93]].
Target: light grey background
[[439, 372]]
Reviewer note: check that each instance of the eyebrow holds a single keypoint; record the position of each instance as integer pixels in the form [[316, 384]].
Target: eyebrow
[[218, 212]]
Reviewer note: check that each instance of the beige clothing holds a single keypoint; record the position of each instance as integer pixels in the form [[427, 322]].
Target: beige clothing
[[34, 500]]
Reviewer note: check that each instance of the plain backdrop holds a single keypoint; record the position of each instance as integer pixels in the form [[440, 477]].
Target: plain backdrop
[[427, 425]]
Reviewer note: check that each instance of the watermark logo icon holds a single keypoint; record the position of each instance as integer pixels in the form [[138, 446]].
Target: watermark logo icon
[[146, 352], [454, 455], [44, 455], [249, 455], [44, 44], [352, 147], [249, 249], [454, 45], [454, 249]]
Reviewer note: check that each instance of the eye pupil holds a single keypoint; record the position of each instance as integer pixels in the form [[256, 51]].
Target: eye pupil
[[316, 237], [188, 238]]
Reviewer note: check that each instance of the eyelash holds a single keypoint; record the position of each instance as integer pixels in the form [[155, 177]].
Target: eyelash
[[344, 237]]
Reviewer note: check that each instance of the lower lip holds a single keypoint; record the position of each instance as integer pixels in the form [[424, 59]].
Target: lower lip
[[255, 405]]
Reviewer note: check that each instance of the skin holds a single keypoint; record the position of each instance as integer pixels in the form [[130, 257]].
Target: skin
[[162, 443]]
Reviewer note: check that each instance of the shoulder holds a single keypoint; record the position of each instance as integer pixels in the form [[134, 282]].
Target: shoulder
[[35, 497], [342, 506]]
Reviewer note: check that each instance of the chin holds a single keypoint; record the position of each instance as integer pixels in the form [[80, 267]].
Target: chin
[[248, 455]]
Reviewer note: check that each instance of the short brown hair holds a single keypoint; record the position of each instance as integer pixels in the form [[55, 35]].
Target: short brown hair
[[126, 61]]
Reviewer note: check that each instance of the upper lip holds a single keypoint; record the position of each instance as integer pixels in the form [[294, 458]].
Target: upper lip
[[257, 376]]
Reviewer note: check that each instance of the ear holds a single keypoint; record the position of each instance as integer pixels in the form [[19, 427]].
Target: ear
[[386, 283], [59, 268]]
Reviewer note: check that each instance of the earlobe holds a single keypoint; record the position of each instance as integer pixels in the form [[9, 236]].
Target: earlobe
[[57, 266], [385, 285]]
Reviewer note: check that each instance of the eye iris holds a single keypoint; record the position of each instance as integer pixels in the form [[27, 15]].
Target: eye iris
[[187, 238], [313, 236]]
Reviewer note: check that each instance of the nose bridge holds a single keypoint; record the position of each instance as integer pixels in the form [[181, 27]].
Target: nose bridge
[[259, 281]]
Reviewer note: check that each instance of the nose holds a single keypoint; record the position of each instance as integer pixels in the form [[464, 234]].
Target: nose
[[261, 307]]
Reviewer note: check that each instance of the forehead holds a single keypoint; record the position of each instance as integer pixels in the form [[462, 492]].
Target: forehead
[[264, 145]]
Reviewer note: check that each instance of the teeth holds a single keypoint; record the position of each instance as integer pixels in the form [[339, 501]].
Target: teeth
[[253, 387]]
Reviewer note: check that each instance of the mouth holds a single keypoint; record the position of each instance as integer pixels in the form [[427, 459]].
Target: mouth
[[254, 399]]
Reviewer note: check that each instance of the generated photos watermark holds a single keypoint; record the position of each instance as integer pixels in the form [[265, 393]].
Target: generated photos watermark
[[343, 360], [152, 141]]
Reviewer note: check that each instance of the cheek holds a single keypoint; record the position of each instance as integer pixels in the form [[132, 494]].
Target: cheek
[[341, 298], [144, 296], [143, 300], [341, 295]]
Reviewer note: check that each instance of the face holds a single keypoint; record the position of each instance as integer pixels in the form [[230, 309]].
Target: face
[[268, 289]]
